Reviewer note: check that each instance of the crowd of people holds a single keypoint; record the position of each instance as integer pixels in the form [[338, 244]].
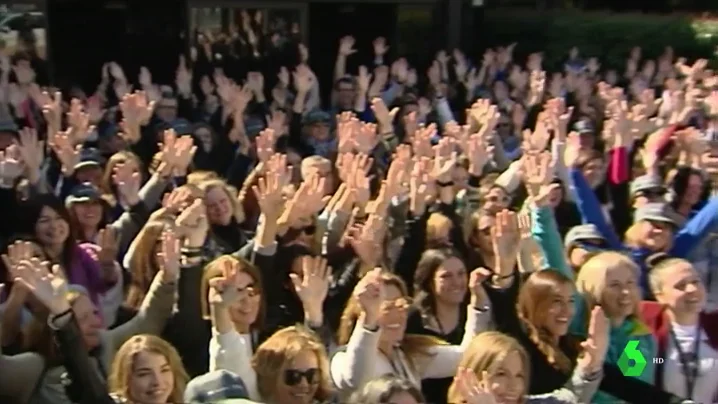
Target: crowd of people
[[486, 232]]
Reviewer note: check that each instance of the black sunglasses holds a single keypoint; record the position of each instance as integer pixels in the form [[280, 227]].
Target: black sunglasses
[[293, 377], [652, 193], [309, 230]]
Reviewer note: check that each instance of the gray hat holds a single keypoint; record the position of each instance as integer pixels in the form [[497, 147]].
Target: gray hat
[[646, 183], [658, 212], [581, 233], [215, 387]]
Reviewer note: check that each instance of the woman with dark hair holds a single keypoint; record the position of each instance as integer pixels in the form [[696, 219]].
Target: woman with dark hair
[[441, 284], [50, 222]]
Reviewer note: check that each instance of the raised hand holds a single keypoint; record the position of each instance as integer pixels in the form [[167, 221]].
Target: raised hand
[[128, 184], [223, 290], [79, 122], [109, 245], [471, 389], [32, 152], [596, 345], [66, 152], [312, 287], [346, 46], [369, 292], [17, 252], [265, 144], [476, 280], [49, 287], [52, 111], [10, 166], [192, 223], [268, 192], [169, 256]]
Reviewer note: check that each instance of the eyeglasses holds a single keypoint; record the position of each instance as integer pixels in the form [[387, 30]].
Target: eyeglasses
[[396, 304], [293, 377]]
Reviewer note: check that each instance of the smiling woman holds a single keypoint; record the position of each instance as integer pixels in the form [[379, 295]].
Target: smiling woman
[[148, 370]]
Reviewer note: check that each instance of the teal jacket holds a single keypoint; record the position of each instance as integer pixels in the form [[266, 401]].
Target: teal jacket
[[545, 232]]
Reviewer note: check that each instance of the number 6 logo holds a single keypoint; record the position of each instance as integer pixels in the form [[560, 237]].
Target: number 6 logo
[[631, 353]]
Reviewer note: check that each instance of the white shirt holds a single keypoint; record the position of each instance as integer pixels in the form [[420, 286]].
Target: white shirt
[[232, 351], [706, 384]]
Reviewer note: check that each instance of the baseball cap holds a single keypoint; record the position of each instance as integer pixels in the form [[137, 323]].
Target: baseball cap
[[215, 387], [582, 232], [316, 116], [658, 212], [89, 157], [646, 183], [584, 126], [85, 192]]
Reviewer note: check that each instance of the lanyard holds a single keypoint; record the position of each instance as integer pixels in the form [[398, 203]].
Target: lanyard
[[398, 368], [689, 361]]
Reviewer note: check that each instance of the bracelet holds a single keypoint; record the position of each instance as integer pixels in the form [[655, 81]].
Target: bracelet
[[64, 313], [499, 277], [445, 184]]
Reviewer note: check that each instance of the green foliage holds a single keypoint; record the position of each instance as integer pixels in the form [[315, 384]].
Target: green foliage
[[606, 35]]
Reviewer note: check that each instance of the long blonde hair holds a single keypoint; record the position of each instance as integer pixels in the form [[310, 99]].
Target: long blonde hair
[[591, 280], [119, 379], [281, 348], [413, 345], [486, 352]]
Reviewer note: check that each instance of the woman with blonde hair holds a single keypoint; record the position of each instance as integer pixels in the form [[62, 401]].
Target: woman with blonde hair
[[373, 331], [147, 370], [225, 215], [495, 368], [608, 280], [292, 368], [687, 335]]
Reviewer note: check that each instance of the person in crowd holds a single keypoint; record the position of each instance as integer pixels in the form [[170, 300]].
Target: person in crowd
[[484, 232]]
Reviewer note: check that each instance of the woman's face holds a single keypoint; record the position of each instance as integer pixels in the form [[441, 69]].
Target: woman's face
[[560, 311], [693, 191], [89, 321], [393, 315], [593, 171], [205, 137], [152, 380], [246, 308], [508, 382], [620, 293], [682, 290], [656, 235], [555, 197], [51, 229], [450, 282], [495, 200], [89, 214], [460, 177], [402, 397], [483, 233], [299, 382], [219, 207]]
